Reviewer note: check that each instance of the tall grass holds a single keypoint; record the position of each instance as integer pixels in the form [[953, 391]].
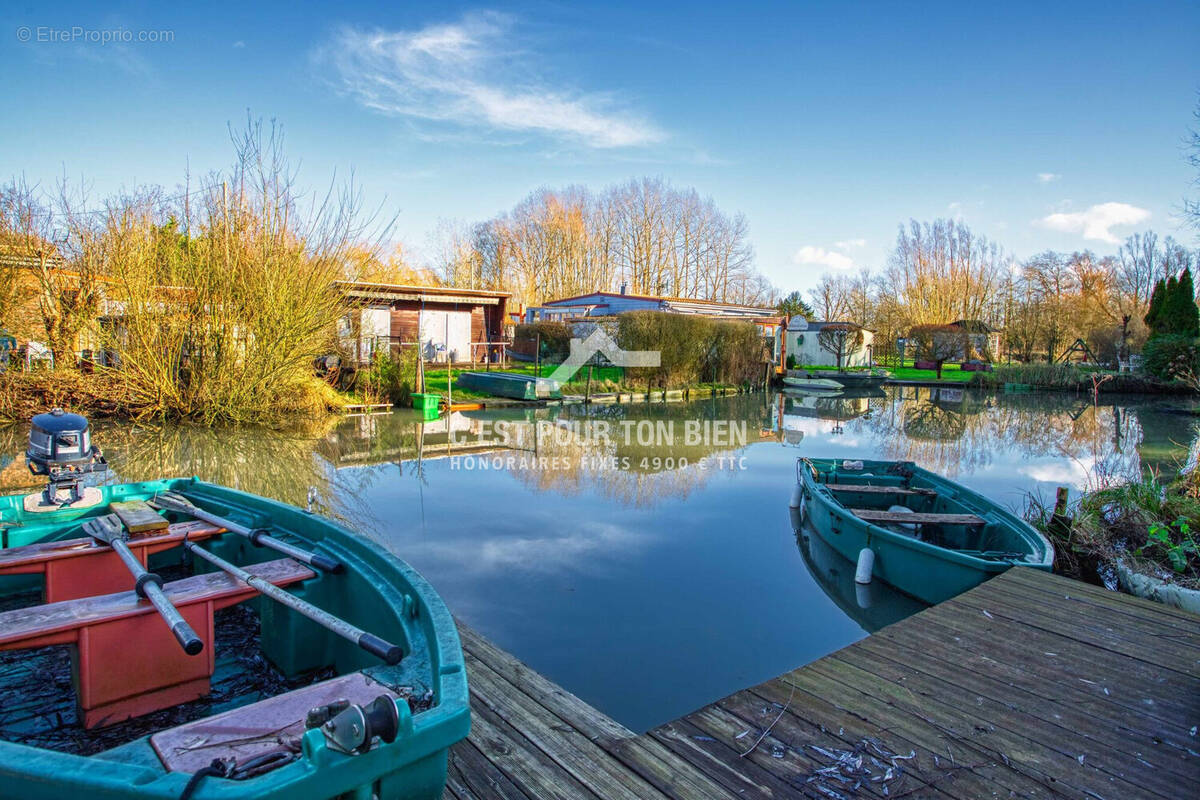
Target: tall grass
[[1113, 520], [221, 314], [1057, 376]]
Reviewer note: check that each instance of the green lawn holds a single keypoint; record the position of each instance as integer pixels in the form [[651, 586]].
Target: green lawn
[[604, 379], [951, 373]]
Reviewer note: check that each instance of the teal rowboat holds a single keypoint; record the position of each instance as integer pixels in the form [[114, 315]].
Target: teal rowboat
[[929, 537], [271, 744]]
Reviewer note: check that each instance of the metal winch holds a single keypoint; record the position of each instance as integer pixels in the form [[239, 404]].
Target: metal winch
[[352, 728], [60, 447]]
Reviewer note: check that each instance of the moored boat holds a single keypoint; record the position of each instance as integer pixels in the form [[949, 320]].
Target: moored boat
[[921, 533], [287, 658], [861, 378], [811, 384]]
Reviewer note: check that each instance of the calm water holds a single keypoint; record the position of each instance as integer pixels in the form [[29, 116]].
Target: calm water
[[646, 587]]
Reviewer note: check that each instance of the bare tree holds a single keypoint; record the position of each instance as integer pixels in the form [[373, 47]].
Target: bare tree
[[939, 343], [841, 340]]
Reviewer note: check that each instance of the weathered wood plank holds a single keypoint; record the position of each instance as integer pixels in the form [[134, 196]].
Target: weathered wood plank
[[992, 730], [916, 517], [996, 704], [1057, 585], [1103, 634], [1048, 734], [891, 490], [1141, 689], [565, 745], [1118, 722]]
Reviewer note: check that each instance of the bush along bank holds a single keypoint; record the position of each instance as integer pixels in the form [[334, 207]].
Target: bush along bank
[[1140, 536], [1070, 378]]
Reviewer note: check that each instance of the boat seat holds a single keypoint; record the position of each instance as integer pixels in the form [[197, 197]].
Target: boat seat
[[866, 489], [74, 568], [126, 662], [258, 729], [916, 517]]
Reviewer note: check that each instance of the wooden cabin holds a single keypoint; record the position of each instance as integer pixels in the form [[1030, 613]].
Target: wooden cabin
[[448, 323]]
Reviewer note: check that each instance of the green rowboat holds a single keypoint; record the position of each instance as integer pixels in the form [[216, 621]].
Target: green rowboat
[[928, 536], [259, 724]]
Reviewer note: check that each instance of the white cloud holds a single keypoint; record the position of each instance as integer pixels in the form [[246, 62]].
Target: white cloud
[[822, 257], [239, 44], [1095, 223], [850, 244], [1047, 177], [469, 74]]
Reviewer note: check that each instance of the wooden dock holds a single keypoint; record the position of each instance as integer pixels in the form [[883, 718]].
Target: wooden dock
[[1031, 685]]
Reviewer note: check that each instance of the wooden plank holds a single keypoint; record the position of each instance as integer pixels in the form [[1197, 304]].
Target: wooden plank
[[1149, 633], [897, 726], [137, 516], [520, 761], [37, 552], [24, 623], [935, 766], [1049, 735], [568, 748], [1023, 753], [916, 518], [1096, 598], [1143, 688], [891, 490], [473, 777], [1126, 641], [648, 758], [1066, 683], [594, 724]]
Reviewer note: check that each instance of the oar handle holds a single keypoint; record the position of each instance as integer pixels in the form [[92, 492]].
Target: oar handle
[[321, 561], [184, 634], [149, 586], [259, 536], [390, 653]]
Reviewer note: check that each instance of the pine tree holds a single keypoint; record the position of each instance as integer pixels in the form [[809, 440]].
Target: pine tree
[[1185, 318], [1156, 305]]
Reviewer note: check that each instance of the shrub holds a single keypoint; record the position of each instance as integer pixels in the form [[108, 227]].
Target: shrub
[[1170, 355], [389, 377], [693, 349], [554, 339]]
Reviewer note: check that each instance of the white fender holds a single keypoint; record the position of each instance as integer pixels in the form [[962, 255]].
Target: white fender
[[797, 497], [866, 565]]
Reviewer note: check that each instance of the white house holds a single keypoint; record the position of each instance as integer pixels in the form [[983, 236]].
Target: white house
[[802, 342]]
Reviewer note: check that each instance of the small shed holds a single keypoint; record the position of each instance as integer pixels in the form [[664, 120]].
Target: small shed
[[449, 323], [803, 342], [984, 340]]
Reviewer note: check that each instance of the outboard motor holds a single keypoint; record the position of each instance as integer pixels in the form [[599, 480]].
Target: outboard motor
[[60, 447]]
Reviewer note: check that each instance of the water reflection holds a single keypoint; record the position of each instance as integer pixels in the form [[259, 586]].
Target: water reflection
[[630, 550], [873, 606]]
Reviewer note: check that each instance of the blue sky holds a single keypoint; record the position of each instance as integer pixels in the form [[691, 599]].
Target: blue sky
[[1044, 125]]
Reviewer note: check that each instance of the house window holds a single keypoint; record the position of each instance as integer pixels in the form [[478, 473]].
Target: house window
[[800, 340]]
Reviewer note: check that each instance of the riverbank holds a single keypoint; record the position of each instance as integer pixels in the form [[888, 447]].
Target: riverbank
[[104, 394], [1138, 536], [607, 385]]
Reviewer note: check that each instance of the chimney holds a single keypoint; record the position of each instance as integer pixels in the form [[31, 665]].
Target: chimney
[[624, 286]]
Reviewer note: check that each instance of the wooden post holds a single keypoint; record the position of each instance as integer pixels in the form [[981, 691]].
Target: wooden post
[[1060, 523], [487, 356], [587, 394], [537, 355]]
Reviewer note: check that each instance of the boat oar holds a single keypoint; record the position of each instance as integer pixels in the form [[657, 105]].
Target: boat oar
[[170, 501], [109, 530], [391, 653]]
